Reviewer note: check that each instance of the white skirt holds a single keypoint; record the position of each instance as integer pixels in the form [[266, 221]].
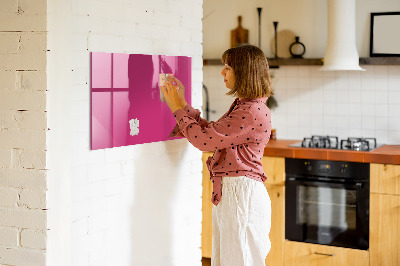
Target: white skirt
[[241, 223]]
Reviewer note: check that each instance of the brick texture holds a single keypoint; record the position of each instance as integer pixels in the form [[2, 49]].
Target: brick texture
[[23, 125]]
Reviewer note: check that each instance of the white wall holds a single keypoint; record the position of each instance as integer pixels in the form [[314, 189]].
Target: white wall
[[306, 19], [23, 133], [311, 102], [135, 205]]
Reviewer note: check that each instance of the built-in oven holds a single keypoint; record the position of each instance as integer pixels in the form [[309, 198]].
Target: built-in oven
[[327, 202]]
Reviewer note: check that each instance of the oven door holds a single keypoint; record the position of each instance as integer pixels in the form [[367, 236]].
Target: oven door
[[327, 213]]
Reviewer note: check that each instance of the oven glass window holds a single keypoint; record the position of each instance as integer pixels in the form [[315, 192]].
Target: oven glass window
[[326, 207]]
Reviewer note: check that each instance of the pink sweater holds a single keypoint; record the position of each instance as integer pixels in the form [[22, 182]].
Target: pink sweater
[[238, 139]]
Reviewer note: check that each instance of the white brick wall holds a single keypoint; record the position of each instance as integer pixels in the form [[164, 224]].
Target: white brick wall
[[136, 205], [23, 132]]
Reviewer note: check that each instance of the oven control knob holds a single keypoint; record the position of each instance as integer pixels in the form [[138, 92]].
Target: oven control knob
[[308, 166], [343, 168]]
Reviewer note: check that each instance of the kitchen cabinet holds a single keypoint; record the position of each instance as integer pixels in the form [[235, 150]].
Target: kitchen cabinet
[[385, 178], [385, 215], [274, 168], [305, 254]]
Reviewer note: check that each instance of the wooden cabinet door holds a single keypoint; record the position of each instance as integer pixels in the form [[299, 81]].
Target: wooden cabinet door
[[384, 236], [206, 226], [385, 178], [277, 233], [304, 254], [274, 168]]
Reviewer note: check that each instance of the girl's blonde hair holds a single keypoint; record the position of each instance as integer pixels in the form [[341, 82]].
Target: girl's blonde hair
[[250, 66]]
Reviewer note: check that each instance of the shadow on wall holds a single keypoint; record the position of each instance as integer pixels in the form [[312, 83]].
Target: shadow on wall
[[155, 201]]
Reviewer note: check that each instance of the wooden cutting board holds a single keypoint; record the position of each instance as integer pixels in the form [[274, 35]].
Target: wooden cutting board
[[239, 35]]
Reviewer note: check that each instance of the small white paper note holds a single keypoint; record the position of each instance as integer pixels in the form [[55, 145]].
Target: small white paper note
[[134, 126]]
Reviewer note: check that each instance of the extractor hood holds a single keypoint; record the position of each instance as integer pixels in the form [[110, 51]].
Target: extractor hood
[[341, 51]]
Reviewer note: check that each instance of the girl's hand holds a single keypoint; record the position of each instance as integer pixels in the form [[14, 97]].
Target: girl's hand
[[171, 94], [181, 90]]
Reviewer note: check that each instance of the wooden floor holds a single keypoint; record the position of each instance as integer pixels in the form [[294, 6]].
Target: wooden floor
[[206, 261]]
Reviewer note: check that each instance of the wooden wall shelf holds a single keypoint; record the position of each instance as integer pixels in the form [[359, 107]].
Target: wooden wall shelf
[[380, 61], [273, 63]]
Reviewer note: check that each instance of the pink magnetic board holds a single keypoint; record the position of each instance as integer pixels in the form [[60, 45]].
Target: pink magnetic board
[[126, 101]]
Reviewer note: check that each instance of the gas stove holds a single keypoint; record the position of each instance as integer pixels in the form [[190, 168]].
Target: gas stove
[[332, 142]]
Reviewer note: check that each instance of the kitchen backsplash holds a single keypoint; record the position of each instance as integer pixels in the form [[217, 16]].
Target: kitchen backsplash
[[314, 102]]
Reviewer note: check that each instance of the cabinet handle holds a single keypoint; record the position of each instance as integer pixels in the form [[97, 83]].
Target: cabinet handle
[[324, 254]]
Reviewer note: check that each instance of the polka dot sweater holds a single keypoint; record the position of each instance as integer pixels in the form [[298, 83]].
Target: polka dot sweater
[[238, 139]]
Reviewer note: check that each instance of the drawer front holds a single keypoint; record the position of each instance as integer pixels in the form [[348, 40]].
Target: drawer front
[[297, 253]]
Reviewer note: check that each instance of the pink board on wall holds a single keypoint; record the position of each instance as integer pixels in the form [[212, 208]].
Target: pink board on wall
[[127, 106]]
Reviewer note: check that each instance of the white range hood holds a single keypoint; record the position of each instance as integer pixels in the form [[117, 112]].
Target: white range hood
[[341, 51]]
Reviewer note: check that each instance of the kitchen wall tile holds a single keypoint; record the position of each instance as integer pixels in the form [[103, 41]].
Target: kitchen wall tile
[[393, 71], [316, 82], [317, 121], [355, 132], [354, 80], [342, 109], [342, 122], [367, 82], [394, 82], [394, 97], [329, 93], [328, 74], [394, 123], [315, 72], [394, 110], [355, 122], [367, 122], [317, 131], [317, 107], [342, 133], [394, 137], [355, 96], [292, 82], [304, 109], [278, 71], [291, 71], [317, 95], [304, 131], [303, 82], [381, 97], [342, 96], [305, 95], [365, 99], [355, 109], [369, 70], [367, 110], [367, 96], [381, 123], [381, 110], [278, 83], [342, 80], [304, 72], [329, 122], [380, 71], [329, 109], [381, 136], [293, 120], [367, 133], [380, 84]]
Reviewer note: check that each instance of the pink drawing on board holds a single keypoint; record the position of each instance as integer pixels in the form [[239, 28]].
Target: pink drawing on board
[[127, 106]]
